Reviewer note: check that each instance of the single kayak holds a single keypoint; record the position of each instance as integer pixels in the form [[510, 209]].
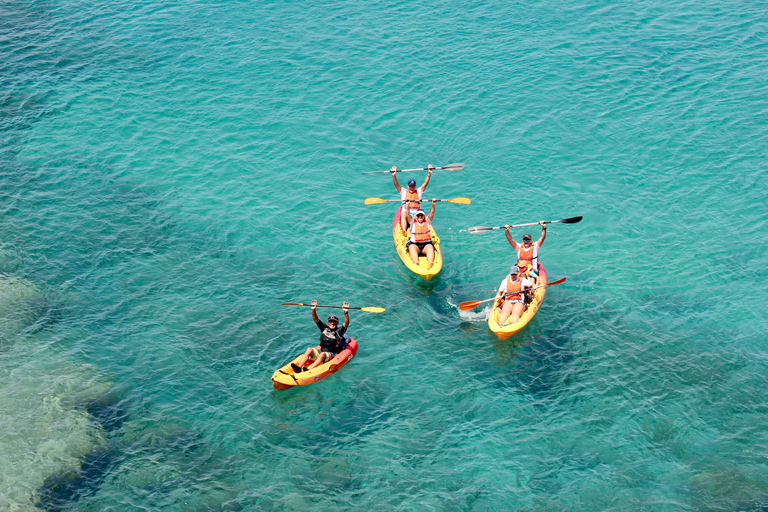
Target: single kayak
[[530, 311], [421, 270], [285, 377]]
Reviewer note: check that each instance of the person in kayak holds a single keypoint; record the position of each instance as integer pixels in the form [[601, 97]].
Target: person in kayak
[[411, 196], [332, 340], [512, 288], [421, 235], [528, 251]]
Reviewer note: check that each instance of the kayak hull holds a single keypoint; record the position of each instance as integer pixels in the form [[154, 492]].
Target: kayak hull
[[286, 378], [530, 312], [401, 239]]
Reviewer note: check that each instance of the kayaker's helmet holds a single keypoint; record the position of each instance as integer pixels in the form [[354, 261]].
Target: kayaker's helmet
[[514, 270], [333, 318], [411, 182], [527, 237]]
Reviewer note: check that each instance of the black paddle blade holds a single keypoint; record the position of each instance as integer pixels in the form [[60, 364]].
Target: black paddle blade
[[572, 220], [476, 230]]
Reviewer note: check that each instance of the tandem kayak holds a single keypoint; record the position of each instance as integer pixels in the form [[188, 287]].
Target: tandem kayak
[[421, 269], [285, 377], [510, 329]]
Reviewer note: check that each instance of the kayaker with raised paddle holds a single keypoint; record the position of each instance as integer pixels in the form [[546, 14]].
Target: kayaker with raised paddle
[[512, 288], [411, 195], [332, 340], [528, 251]]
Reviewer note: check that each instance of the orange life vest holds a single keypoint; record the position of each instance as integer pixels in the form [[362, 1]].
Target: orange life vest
[[527, 254], [513, 289], [413, 197], [420, 233]]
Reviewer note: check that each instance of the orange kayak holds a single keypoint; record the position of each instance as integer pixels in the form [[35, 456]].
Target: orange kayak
[[285, 377]]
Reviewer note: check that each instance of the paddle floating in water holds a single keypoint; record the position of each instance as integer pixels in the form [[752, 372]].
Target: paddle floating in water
[[367, 309], [472, 304], [476, 230], [456, 200], [449, 167]]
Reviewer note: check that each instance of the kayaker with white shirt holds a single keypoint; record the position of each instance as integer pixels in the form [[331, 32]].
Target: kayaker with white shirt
[[421, 235], [512, 288], [411, 195], [528, 250]]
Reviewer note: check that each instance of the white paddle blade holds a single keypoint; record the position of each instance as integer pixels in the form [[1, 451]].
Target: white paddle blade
[[477, 230]]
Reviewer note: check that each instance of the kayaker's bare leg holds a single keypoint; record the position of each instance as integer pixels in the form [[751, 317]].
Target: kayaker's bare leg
[[429, 250], [512, 312], [306, 357], [320, 360], [517, 311], [506, 309], [413, 249]]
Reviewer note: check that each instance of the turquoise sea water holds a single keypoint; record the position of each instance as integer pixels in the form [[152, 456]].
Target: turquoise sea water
[[171, 172]]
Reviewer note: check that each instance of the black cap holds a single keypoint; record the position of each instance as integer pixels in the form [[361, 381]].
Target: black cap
[[527, 236], [334, 318]]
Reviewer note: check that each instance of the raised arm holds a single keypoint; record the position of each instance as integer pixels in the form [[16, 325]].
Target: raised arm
[[345, 309], [314, 313], [509, 237], [426, 181], [543, 233], [432, 211], [393, 172]]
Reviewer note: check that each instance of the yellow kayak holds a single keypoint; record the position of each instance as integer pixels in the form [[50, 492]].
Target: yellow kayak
[[510, 329], [421, 269]]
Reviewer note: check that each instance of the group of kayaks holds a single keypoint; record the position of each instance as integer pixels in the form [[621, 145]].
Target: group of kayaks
[[286, 377]]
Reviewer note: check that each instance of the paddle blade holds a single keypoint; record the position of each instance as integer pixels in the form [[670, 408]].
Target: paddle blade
[[375, 200], [453, 167], [553, 283], [292, 304], [572, 220], [476, 230], [460, 200], [373, 310], [470, 304]]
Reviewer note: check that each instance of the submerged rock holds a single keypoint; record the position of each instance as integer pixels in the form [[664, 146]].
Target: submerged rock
[[21, 307], [45, 434]]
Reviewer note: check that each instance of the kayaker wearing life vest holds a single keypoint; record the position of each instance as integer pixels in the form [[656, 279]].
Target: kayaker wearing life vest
[[528, 251], [512, 288], [332, 340], [421, 235], [411, 195]]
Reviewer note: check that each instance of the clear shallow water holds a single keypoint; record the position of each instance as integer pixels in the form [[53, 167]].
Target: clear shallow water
[[171, 173]]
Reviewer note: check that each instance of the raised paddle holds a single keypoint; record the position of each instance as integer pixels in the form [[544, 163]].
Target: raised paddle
[[472, 304], [457, 200], [369, 310], [484, 229], [449, 167]]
